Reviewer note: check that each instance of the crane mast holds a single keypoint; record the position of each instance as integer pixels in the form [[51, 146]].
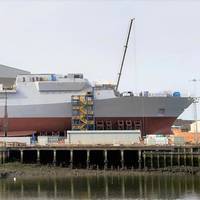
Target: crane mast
[[124, 54]]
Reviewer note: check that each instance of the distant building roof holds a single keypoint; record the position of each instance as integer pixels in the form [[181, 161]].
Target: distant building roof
[[9, 74], [183, 124]]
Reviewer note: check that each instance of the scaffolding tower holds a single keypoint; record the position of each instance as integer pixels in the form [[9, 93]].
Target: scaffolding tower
[[83, 112]]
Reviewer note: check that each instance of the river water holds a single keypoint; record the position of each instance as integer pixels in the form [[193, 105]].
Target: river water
[[103, 187]]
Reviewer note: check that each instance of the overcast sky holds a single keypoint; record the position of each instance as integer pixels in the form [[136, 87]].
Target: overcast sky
[[88, 37]]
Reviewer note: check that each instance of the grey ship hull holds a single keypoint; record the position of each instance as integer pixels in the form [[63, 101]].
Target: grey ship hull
[[156, 114]]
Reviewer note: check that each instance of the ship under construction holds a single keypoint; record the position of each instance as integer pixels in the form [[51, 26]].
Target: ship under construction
[[50, 103]]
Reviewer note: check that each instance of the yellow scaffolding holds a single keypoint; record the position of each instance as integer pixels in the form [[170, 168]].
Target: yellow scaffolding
[[83, 112]]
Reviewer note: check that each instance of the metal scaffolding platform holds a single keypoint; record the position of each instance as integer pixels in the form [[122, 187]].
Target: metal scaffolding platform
[[83, 111]]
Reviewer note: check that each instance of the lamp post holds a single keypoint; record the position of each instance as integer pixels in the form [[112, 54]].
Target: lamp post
[[195, 102], [6, 114]]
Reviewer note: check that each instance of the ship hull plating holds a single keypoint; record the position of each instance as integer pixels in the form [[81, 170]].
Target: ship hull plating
[[152, 115], [27, 126]]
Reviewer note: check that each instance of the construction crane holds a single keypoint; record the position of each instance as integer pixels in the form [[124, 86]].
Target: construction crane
[[124, 55]]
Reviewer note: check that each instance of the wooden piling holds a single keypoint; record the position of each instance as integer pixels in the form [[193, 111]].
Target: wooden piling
[[148, 157], [88, 159], [3, 157], [158, 161], [105, 160], [144, 155], [21, 156], [139, 160], [122, 159], [151, 160], [179, 163], [171, 159], [71, 159], [54, 157], [192, 157], [38, 156], [165, 164], [185, 158], [199, 157]]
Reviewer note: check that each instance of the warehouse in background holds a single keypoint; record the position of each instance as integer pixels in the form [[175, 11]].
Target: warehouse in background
[[8, 75]]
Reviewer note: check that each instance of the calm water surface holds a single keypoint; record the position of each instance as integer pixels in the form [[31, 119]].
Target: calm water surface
[[104, 187]]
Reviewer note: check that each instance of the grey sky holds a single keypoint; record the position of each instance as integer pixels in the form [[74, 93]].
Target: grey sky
[[88, 37]]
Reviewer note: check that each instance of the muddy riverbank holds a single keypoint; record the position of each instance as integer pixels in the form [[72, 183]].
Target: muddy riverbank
[[11, 170]]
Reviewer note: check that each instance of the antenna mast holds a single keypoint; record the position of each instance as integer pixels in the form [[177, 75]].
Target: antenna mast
[[124, 55], [6, 115]]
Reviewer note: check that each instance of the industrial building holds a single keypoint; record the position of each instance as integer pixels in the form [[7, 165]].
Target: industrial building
[[8, 75]]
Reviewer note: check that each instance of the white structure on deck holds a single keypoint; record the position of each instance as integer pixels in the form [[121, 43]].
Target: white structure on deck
[[103, 137]]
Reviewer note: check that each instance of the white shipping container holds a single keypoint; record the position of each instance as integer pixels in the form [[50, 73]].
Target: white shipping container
[[42, 140], [162, 141], [26, 140], [150, 141], [156, 140], [103, 137], [53, 139]]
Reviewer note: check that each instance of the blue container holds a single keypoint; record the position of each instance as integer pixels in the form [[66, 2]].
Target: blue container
[[146, 93], [33, 139], [53, 77], [176, 94]]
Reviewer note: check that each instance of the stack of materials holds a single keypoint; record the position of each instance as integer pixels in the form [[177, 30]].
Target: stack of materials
[[42, 140], [156, 140], [177, 140], [50, 140], [20, 140], [189, 137]]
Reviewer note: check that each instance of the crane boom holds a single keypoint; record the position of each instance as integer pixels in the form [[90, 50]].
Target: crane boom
[[124, 55]]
